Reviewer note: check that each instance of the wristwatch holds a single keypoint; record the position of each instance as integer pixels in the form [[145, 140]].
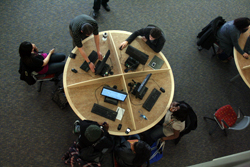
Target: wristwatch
[[89, 62]]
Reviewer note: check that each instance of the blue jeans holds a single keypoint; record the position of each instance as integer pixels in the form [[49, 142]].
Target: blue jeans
[[153, 134]]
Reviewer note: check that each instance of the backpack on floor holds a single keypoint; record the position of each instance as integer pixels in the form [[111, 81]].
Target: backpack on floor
[[58, 96]]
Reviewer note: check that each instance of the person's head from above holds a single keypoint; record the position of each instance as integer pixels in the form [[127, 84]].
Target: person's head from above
[[180, 110], [93, 133], [87, 29], [25, 49], [142, 152], [242, 23], [155, 33]]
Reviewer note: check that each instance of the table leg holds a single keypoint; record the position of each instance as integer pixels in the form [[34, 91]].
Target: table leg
[[231, 80]]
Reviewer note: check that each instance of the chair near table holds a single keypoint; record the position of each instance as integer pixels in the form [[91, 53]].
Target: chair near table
[[227, 118]]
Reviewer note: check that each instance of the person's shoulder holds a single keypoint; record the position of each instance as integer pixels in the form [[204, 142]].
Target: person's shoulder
[[36, 57], [88, 122]]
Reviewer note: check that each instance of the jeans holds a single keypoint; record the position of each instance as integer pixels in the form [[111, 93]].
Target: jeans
[[56, 64], [153, 134], [97, 4]]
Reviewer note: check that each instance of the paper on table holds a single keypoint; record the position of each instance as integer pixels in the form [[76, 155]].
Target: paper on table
[[120, 111]]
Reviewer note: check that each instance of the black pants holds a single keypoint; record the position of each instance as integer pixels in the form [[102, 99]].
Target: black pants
[[56, 64], [97, 4]]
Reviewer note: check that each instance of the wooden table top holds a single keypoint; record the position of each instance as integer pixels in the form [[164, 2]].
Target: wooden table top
[[242, 64], [83, 89]]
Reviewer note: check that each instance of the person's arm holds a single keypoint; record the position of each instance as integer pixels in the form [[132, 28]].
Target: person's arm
[[235, 37], [97, 44], [91, 65], [46, 60], [174, 136], [131, 38]]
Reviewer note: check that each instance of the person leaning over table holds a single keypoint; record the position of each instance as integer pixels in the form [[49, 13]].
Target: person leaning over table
[[171, 125], [42, 63], [81, 27], [152, 35], [229, 34]]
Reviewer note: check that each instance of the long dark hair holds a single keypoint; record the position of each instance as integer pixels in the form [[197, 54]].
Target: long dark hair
[[142, 153], [25, 49], [242, 23], [182, 113]]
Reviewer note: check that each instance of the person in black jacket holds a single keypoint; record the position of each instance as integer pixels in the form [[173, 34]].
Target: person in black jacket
[[132, 153], [152, 35], [93, 134]]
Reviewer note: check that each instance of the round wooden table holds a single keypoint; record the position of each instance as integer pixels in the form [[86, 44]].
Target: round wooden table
[[242, 64], [83, 89]]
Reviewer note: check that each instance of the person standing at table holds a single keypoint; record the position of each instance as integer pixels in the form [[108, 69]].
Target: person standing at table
[[81, 27], [228, 36], [97, 6], [152, 35]]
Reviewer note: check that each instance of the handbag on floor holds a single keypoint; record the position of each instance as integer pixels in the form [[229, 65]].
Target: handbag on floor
[[59, 97], [156, 151]]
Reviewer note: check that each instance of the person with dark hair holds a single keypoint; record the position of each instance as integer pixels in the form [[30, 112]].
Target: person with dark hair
[[81, 27], [42, 63], [132, 153], [95, 134], [152, 35], [171, 125], [228, 36], [97, 6]]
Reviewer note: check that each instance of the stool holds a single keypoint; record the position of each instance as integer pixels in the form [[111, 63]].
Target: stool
[[40, 78]]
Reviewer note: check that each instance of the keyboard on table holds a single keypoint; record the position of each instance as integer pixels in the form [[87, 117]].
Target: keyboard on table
[[104, 112], [152, 98]]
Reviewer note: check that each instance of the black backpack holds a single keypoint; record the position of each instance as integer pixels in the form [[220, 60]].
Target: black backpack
[[25, 74]]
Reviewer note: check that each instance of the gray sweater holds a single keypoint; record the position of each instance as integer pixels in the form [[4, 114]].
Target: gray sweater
[[228, 36]]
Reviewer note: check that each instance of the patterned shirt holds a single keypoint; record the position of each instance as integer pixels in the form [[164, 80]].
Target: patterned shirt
[[76, 24]]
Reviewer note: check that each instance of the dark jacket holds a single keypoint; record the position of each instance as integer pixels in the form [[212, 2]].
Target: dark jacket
[[208, 34], [25, 74], [105, 143], [190, 124], [156, 45], [124, 155]]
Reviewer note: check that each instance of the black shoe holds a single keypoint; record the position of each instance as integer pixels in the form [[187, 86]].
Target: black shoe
[[106, 7], [95, 14]]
